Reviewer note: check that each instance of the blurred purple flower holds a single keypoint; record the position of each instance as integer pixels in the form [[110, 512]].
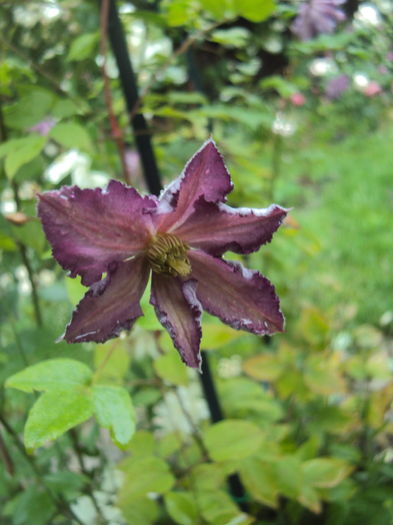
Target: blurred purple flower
[[337, 86], [179, 238], [316, 17], [44, 126]]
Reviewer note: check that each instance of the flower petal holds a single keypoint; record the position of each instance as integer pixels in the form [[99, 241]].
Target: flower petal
[[111, 305], [204, 174], [179, 311], [90, 229], [216, 228], [242, 298]]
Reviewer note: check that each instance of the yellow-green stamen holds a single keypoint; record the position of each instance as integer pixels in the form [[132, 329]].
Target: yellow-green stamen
[[167, 254]]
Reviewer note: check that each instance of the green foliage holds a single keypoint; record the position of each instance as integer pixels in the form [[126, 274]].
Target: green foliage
[[307, 413]]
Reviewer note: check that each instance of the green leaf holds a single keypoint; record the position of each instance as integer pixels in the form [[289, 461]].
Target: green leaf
[[66, 483], [289, 475], [23, 151], [326, 472], [139, 511], [31, 505], [170, 368], [232, 37], [75, 290], [264, 367], [51, 375], [141, 444], [83, 47], [143, 475], [232, 440], [114, 410], [30, 109], [255, 10], [181, 507], [217, 335], [259, 478], [54, 413], [72, 135], [217, 508]]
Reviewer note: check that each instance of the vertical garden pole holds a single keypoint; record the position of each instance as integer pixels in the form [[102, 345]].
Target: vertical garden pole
[[152, 177]]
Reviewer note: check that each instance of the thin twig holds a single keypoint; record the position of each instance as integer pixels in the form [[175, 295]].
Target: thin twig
[[116, 131], [196, 434], [79, 455], [21, 247], [34, 292]]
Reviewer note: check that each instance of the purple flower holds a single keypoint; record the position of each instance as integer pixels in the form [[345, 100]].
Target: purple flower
[[337, 86], [44, 126], [317, 16], [179, 238]]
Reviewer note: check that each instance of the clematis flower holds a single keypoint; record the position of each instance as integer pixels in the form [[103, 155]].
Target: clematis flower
[[316, 17], [179, 239]]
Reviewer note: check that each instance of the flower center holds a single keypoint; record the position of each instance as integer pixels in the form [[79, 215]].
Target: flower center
[[167, 254]]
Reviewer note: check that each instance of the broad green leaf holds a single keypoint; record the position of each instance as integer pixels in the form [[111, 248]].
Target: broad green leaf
[[138, 511], [8, 146], [217, 335], [265, 367], [220, 9], [322, 376], [232, 37], [67, 483], [207, 476], [33, 505], [72, 135], [170, 368], [180, 12], [111, 361], [259, 478], [241, 395], [181, 507], [326, 472], [141, 444], [54, 413], [289, 475], [75, 290], [169, 444], [51, 375], [82, 47], [232, 440], [114, 410], [217, 508], [30, 109], [255, 10], [27, 149], [310, 498], [143, 475]]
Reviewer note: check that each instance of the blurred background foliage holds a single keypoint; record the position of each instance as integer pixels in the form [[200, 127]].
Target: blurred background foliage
[[305, 122]]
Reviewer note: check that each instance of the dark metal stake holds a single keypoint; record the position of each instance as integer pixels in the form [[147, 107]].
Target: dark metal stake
[[152, 177]]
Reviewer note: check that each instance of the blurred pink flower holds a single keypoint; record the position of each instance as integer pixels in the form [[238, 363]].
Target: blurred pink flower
[[372, 89], [316, 17], [298, 99]]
